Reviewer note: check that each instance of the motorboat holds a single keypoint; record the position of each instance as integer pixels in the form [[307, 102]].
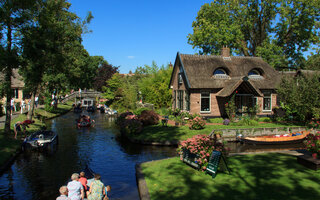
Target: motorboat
[[109, 111], [40, 140]]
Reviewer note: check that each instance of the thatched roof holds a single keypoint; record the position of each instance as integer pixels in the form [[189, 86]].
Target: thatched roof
[[199, 70], [16, 79]]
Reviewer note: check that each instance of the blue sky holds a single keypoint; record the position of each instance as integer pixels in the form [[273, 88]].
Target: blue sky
[[132, 33]]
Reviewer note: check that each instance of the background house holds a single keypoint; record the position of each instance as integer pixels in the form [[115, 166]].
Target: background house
[[203, 84], [17, 86]]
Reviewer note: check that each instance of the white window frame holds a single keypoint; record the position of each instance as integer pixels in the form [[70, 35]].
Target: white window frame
[[209, 102], [264, 96]]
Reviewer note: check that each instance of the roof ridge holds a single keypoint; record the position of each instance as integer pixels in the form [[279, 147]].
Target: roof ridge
[[219, 56]]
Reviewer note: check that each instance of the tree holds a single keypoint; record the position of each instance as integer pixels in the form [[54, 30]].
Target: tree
[[313, 62], [47, 43], [104, 73], [153, 85], [257, 28], [14, 15], [300, 96]]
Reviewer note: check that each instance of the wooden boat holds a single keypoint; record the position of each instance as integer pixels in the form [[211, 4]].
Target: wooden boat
[[290, 138], [40, 140], [84, 121]]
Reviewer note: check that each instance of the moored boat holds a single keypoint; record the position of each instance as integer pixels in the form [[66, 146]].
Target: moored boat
[[40, 140], [290, 138]]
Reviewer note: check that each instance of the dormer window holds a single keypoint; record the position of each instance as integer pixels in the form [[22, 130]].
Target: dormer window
[[254, 73], [220, 73]]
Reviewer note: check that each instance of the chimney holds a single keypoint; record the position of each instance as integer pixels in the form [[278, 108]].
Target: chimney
[[225, 52]]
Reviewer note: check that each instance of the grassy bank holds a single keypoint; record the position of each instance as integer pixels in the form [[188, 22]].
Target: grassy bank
[[9, 145], [256, 176], [61, 109], [161, 133]]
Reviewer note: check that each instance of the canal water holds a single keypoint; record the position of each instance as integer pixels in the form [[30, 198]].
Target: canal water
[[38, 175]]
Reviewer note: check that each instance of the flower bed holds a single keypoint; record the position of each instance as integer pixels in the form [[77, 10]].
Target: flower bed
[[198, 150], [313, 144]]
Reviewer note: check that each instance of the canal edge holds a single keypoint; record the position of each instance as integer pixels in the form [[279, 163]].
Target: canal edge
[[9, 162], [141, 182]]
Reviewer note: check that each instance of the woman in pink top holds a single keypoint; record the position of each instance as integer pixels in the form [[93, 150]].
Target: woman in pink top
[[83, 180]]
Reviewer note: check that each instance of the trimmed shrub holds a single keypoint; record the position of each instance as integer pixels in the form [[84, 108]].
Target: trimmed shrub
[[149, 117], [197, 123], [129, 123], [132, 126]]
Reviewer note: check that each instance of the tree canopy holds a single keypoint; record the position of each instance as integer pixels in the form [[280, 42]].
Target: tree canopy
[[279, 31]]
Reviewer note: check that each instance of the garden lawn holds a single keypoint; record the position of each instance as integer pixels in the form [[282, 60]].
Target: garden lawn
[[61, 109], [159, 133], [256, 176]]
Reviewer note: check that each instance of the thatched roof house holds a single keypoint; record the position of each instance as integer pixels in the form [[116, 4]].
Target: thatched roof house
[[17, 85], [203, 84]]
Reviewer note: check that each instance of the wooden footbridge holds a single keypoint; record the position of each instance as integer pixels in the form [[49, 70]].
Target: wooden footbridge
[[81, 95]]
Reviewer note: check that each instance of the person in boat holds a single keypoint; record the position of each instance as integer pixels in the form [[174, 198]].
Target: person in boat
[[83, 180], [63, 193], [96, 189], [75, 188]]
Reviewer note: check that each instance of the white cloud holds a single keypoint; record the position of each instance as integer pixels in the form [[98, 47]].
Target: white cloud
[[131, 57]]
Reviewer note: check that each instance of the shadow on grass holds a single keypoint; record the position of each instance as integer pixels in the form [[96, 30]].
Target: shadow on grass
[[266, 176], [160, 133]]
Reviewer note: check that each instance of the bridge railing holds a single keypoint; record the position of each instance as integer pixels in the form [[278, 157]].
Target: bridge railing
[[80, 95]]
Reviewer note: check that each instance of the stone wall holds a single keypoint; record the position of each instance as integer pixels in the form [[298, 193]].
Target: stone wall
[[230, 134]]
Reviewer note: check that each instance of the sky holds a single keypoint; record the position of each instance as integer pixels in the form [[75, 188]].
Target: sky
[[134, 33]]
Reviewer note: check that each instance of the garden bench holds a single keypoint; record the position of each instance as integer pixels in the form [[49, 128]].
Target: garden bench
[[190, 158]]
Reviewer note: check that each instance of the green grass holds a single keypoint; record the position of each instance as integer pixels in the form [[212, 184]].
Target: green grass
[[161, 133], [215, 120], [256, 176], [61, 109]]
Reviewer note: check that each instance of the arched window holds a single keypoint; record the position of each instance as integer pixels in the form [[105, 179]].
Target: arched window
[[254, 72], [220, 72]]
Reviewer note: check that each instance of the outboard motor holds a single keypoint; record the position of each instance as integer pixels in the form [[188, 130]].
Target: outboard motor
[[238, 137]]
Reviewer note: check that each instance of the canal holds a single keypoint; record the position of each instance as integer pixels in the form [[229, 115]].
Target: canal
[[38, 175]]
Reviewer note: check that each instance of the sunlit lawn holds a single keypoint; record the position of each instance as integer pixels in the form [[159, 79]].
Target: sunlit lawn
[[256, 176], [62, 108]]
